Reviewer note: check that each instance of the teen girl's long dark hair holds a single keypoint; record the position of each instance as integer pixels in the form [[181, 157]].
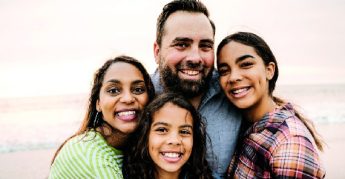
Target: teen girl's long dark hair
[[264, 51]]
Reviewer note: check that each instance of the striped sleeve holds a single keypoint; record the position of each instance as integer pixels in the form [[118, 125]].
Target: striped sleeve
[[88, 157]]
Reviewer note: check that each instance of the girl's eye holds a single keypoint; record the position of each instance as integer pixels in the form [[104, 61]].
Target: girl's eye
[[161, 130], [185, 132]]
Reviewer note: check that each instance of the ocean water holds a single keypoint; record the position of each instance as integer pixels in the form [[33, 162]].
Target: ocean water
[[45, 122]]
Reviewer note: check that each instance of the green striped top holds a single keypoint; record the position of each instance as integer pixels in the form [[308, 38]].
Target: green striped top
[[87, 156]]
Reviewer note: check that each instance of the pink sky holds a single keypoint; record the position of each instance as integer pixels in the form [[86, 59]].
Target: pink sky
[[53, 47]]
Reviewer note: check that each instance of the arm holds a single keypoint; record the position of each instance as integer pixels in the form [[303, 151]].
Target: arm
[[297, 158], [107, 167]]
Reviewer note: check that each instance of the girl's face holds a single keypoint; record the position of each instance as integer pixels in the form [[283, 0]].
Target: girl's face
[[170, 139], [243, 75], [122, 96]]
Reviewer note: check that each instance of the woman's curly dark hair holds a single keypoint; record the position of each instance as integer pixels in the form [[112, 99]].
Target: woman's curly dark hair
[[138, 163]]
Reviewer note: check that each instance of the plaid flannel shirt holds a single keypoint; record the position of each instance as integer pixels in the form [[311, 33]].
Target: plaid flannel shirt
[[277, 146]]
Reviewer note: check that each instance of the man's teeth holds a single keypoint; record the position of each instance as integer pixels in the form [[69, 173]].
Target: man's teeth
[[191, 72], [171, 155], [126, 113], [239, 90]]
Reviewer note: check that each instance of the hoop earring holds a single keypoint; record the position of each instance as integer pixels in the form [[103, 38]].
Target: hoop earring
[[96, 120]]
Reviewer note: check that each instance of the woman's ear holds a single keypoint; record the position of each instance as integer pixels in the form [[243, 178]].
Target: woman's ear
[[98, 107], [270, 70]]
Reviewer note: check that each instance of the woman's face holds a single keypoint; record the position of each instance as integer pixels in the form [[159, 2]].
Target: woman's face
[[122, 96], [243, 75], [170, 139]]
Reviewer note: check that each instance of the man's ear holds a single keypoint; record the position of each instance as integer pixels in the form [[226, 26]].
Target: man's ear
[[156, 52], [270, 70]]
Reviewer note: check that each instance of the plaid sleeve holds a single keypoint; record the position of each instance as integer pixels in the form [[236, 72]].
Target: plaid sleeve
[[296, 158]]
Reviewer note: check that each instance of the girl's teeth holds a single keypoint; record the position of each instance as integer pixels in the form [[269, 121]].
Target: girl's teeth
[[171, 155]]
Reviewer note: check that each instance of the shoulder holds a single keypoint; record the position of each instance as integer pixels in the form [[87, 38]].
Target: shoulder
[[279, 127]]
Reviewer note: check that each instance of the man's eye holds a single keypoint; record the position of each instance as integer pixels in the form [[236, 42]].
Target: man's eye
[[181, 45], [206, 47]]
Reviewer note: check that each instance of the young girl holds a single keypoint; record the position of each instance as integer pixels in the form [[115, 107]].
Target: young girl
[[169, 142], [121, 89], [277, 141]]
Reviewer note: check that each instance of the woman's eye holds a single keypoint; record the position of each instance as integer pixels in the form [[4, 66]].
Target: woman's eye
[[113, 90], [139, 90]]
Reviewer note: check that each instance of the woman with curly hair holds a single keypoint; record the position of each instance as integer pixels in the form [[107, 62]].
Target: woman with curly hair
[[121, 89]]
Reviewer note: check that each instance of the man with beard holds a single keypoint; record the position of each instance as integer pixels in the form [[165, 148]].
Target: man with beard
[[184, 52]]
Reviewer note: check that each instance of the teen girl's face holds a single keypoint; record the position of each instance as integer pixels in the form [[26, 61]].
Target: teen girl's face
[[170, 139], [122, 96], [243, 75]]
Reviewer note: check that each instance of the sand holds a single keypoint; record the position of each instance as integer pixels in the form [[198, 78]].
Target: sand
[[35, 164]]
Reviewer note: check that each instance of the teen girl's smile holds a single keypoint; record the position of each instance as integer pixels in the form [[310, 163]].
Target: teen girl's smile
[[243, 75], [122, 96], [170, 138]]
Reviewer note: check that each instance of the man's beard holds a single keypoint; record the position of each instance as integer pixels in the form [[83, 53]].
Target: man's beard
[[187, 88]]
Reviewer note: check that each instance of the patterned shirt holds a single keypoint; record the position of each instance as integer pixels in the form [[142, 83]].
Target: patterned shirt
[[222, 121], [277, 146], [87, 156]]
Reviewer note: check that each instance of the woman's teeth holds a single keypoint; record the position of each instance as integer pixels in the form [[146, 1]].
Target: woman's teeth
[[126, 113]]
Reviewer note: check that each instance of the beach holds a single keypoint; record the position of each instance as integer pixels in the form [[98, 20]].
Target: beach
[[34, 164]]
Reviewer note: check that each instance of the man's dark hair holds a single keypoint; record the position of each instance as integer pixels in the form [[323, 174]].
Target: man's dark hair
[[194, 6]]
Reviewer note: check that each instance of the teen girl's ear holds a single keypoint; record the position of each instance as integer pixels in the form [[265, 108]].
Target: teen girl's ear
[[156, 52], [270, 70]]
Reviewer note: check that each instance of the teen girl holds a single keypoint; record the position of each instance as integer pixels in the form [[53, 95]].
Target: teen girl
[[277, 142]]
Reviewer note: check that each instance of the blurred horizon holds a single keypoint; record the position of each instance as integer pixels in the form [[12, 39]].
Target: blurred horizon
[[53, 47]]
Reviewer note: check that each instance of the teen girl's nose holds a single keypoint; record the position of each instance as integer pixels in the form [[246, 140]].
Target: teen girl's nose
[[127, 97], [234, 76]]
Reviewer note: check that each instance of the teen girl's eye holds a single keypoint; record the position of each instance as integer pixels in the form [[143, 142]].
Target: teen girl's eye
[[223, 70], [246, 64], [161, 130]]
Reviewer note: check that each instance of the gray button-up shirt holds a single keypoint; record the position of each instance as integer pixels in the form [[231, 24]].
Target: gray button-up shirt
[[222, 125]]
